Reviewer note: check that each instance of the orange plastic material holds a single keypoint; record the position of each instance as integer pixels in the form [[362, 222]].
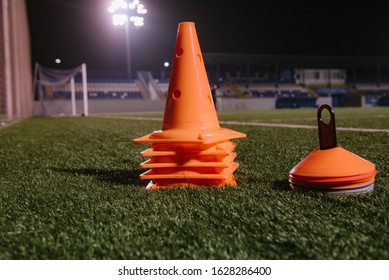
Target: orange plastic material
[[331, 168], [333, 163], [191, 149]]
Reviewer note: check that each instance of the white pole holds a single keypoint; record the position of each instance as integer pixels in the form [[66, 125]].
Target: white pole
[[73, 96], [84, 89], [7, 60], [128, 50]]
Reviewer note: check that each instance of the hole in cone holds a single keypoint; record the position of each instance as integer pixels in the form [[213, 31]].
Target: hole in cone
[[179, 52], [176, 94], [325, 116]]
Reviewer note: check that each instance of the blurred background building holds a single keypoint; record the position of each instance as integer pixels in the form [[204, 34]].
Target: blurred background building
[[15, 60]]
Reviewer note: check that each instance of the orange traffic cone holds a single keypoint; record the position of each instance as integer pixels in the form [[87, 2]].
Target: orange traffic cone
[[191, 149], [330, 168]]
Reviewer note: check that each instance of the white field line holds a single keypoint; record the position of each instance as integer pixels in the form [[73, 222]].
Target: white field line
[[285, 125], [356, 129]]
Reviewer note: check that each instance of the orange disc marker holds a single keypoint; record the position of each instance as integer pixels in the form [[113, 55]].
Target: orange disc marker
[[191, 149], [330, 168]]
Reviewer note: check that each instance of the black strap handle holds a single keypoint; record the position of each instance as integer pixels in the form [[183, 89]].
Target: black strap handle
[[327, 131]]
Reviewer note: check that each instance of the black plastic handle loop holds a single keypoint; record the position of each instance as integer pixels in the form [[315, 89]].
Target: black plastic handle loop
[[327, 131]]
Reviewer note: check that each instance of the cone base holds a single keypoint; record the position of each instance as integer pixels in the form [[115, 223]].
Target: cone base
[[351, 190], [333, 183], [329, 180], [189, 161], [206, 136], [190, 173], [190, 165], [174, 184], [192, 150], [332, 163]]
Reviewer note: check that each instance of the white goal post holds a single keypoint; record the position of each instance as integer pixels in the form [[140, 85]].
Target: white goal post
[[46, 77]]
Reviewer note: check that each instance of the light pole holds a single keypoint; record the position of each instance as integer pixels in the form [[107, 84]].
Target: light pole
[[127, 13]]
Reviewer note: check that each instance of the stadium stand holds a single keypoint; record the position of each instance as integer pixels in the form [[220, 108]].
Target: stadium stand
[[374, 94], [163, 86], [291, 102], [286, 94], [103, 90], [329, 91], [240, 82]]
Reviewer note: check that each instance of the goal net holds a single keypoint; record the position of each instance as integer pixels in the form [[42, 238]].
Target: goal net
[[58, 93]]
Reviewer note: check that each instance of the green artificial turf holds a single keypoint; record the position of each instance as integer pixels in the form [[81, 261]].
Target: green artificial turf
[[69, 189]]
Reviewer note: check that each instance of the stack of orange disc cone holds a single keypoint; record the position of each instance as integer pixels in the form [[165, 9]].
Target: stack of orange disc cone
[[191, 149], [330, 168]]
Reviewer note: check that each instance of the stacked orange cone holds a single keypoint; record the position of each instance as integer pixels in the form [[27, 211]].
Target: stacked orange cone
[[191, 149], [330, 168]]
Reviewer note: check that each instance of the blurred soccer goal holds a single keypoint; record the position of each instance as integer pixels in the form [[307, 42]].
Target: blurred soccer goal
[[52, 86]]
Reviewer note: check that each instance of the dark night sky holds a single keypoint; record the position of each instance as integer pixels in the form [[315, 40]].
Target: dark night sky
[[80, 31]]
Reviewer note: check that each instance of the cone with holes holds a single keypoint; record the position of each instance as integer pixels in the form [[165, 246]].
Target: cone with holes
[[330, 168], [191, 149]]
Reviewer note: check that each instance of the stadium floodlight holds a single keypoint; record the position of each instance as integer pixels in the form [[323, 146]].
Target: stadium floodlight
[[126, 13]]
